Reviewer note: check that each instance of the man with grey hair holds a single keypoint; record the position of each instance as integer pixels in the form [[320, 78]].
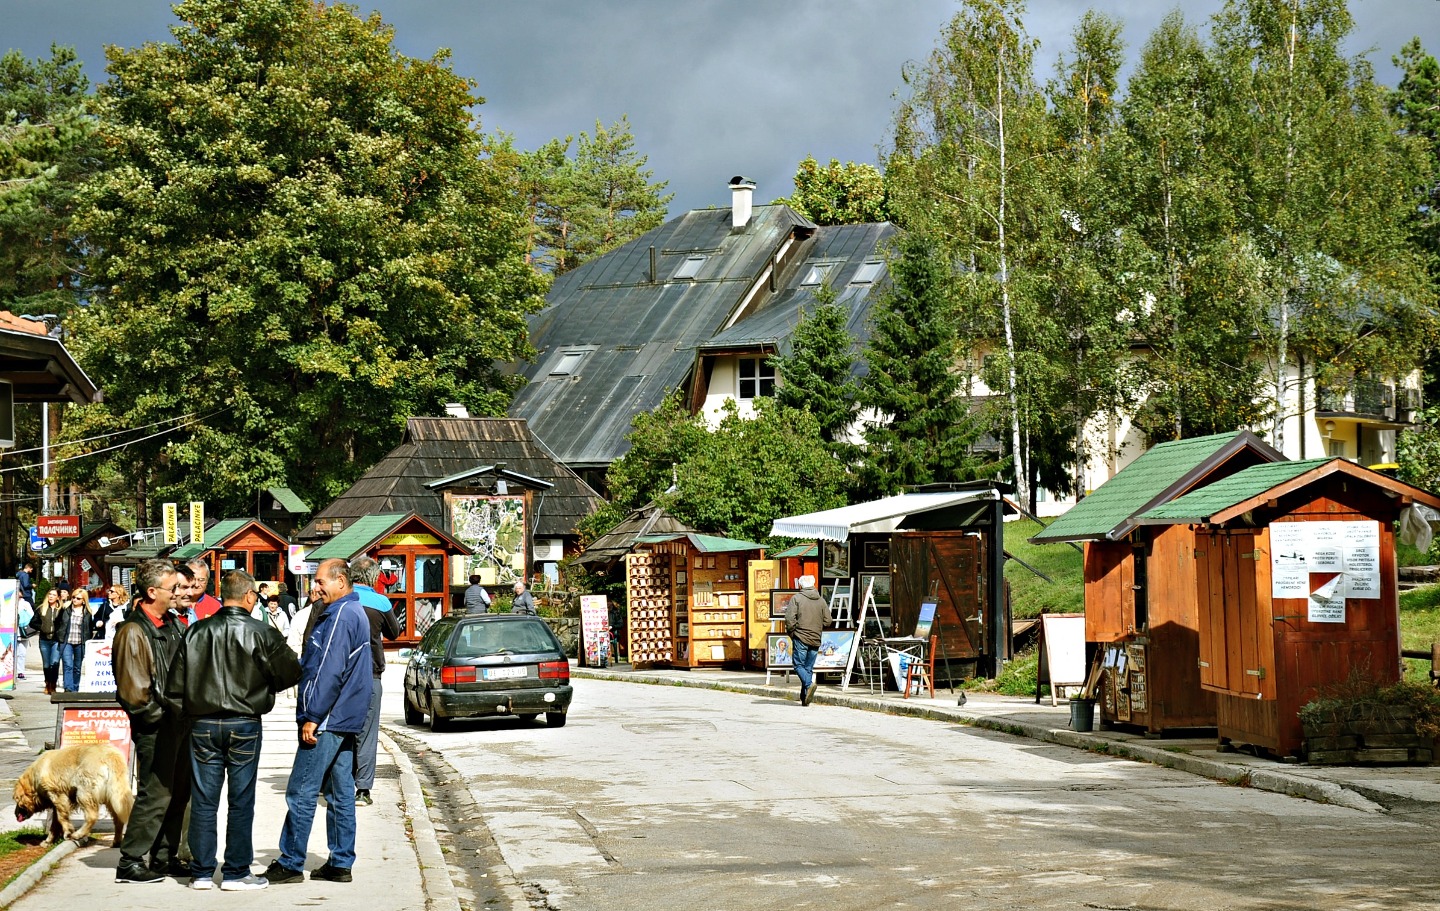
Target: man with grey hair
[[205, 603], [363, 573], [144, 648]]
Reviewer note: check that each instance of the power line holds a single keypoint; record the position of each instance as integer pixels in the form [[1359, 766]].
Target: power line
[[112, 433], [105, 449]]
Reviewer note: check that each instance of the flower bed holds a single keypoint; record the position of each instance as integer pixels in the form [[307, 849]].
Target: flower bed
[[1362, 724]]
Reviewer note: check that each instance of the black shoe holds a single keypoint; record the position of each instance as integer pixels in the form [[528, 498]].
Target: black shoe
[[276, 873], [331, 874], [136, 873], [176, 868], [362, 798]]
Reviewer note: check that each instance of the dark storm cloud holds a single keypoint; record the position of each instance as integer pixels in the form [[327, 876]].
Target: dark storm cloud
[[712, 88]]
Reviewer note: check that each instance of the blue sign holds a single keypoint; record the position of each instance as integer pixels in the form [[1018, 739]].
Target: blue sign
[[36, 542]]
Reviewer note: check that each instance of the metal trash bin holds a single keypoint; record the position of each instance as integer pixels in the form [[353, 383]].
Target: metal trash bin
[[1082, 715]]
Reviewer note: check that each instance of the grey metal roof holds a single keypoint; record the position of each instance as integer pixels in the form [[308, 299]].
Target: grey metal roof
[[441, 447], [845, 248], [639, 336]]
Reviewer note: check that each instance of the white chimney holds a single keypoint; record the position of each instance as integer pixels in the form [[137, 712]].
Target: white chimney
[[741, 191], [456, 410]]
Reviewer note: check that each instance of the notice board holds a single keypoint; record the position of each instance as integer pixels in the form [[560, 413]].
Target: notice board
[[1062, 652]]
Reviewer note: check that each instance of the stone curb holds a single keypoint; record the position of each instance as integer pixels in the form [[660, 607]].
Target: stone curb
[[36, 871], [1231, 773], [434, 870]]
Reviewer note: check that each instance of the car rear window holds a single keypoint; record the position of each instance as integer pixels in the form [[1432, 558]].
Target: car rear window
[[478, 640]]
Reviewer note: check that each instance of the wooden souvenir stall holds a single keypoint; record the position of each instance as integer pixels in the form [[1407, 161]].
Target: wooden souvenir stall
[[413, 556], [689, 600], [83, 561], [1142, 615], [797, 561], [1295, 580], [247, 544]]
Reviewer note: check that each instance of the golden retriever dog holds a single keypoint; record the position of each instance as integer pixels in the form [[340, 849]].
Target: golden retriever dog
[[85, 775]]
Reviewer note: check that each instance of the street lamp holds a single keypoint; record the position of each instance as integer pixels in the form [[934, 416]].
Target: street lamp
[[51, 322]]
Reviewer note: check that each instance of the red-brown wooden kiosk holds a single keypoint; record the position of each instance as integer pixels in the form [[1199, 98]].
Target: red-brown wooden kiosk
[[413, 555], [247, 544], [1140, 595], [1294, 566]]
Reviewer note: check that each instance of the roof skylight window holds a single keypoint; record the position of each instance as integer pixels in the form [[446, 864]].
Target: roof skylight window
[[568, 362], [690, 267], [817, 274], [868, 273]]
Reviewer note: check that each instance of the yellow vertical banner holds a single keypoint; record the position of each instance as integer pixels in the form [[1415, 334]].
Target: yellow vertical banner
[[197, 522], [171, 512]]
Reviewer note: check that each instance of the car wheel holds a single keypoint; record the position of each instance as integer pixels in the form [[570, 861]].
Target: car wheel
[[438, 723], [413, 716], [529, 717], [555, 719]]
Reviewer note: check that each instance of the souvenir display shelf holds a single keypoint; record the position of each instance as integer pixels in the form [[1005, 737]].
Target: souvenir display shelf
[[717, 609], [650, 595]]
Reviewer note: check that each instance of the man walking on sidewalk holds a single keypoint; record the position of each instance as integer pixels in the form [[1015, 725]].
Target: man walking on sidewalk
[[145, 647], [805, 618], [333, 697], [226, 677]]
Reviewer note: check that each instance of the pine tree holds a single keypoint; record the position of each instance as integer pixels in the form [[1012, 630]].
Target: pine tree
[[922, 430], [816, 374]]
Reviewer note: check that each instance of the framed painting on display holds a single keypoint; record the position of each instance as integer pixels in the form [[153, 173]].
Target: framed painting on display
[[836, 563]]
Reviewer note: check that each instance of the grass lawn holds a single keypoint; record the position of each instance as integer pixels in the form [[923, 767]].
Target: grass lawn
[[1029, 594], [18, 850]]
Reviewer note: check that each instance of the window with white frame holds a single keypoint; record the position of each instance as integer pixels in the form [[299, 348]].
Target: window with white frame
[[757, 378]]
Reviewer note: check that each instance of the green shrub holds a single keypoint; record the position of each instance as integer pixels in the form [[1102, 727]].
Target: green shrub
[[1017, 678], [1359, 698]]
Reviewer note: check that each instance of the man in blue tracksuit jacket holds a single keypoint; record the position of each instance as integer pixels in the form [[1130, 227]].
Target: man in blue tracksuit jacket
[[333, 698]]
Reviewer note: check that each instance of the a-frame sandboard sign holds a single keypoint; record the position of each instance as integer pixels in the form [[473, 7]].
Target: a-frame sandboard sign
[[867, 604]]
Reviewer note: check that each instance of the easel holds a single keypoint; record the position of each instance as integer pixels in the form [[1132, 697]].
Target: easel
[[866, 605]]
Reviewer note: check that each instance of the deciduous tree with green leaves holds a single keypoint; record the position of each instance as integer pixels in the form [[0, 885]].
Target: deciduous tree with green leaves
[[838, 194], [303, 241]]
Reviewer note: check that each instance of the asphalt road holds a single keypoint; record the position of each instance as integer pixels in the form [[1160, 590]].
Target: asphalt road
[[667, 797]]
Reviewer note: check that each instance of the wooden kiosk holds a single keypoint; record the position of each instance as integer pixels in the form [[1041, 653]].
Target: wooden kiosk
[[247, 544], [1140, 594], [1295, 580], [413, 556], [691, 599]]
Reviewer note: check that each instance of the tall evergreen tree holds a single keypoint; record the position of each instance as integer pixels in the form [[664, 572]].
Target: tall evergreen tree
[[48, 147], [816, 374], [920, 428]]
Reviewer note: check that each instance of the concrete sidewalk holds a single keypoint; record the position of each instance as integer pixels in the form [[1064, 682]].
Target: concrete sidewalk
[[400, 866], [1371, 789]]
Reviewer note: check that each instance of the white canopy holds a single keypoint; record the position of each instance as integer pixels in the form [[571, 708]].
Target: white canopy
[[880, 516]]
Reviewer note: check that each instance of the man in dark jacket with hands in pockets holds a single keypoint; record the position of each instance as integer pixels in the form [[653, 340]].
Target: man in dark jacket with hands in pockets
[[224, 679], [331, 704]]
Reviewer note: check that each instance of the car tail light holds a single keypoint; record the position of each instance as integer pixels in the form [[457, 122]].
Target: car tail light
[[450, 676], [555, 670]]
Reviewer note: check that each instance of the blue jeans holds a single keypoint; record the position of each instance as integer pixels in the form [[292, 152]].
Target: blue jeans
[[223, 749], [368, 743], [329, 768], [804, 657], [49, 652], [73, 657]]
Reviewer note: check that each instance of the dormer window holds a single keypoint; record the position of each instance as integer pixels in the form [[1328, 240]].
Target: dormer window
[[690, 267]]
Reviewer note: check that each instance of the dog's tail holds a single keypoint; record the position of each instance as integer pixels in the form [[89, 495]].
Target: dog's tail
[[119, 798]]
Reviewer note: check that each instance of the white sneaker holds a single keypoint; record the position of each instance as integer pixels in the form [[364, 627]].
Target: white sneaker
[[248, 884], [202, 885]]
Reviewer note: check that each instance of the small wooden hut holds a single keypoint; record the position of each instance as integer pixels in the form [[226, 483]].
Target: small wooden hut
[[1140, 596], [1296, 585]]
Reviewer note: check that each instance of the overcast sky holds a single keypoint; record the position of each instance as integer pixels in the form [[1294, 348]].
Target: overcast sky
[[713, 88]]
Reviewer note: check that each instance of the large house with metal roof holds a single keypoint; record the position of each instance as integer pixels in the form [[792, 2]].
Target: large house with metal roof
[[698, 304]]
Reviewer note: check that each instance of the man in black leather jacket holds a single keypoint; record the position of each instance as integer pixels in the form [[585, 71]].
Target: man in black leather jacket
[[226, 677], [141, 655]]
